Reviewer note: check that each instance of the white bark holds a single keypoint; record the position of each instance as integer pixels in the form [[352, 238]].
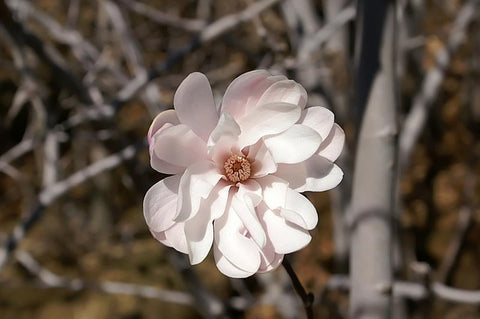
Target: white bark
[[373, 185]]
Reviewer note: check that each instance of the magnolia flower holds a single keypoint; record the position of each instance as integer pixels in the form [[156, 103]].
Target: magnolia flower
[[238, 170]]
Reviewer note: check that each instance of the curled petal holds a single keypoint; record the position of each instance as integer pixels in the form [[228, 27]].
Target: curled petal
[[269, 258], [294, 145], [195, 106], [245, 210], [223, 139], [318, 118], [199, 229], [173, 237], [160, 204], [196, 183], [233, 243], [179, 146], [265, 120], [285, 237], [251, 188], [164, 167], [294, 174], [274, 191], [168, 116], [299, 210], [228, 268], [287, 91], [245, 91], [317, 174], [261, 160], [333, 144]]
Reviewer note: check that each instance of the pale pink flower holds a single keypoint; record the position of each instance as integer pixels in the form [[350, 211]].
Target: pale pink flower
[[237, 171]]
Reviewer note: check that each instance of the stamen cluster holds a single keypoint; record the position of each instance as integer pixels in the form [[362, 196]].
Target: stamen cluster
[[237, 168]]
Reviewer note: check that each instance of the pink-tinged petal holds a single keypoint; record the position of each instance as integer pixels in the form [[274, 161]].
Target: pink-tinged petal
[[287, 91], [274, 191], [165, 117], [199, 229], [294, 174], [160, 204], [227, 268], [299, 210], [261, 160], [322, 175], [265, 120], [226, 127], [269, 258], [196, 183], [198, 247], [245, 91], [332, 146], [195, 106], [285, 237], [245, 210], [173, 237], [223, 139], [318, 118], [317, 174], [294, 145], [240, 250], [251, 188], [164, 167], [179, 146]]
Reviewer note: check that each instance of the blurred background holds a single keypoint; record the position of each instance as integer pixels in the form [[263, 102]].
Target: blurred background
[[81, 81]]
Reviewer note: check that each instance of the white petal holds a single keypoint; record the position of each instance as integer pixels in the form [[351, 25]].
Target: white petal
[[160, 204], [269, 258], [241, 251], [285, 237], [175, 236], [299, 210], [322, 175], [195, 106], [261, 160], [227, 268], [223, 138], [196, 183], [179, 146], [274, 191], [287, 91], [164, 167], [245, 91], [333, 144], [245, 210], [294, 174], [226, 127], [168, 116], [251, 188], [294, 145], [318, 118], [267, 119], [199, 229]]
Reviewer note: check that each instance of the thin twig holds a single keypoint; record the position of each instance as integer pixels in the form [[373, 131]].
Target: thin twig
[[48, 195], [307, 297], [411, 290], [52, 280], [423, 101]]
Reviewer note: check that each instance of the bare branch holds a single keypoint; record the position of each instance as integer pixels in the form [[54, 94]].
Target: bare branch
[[423, 101], [48, 195]]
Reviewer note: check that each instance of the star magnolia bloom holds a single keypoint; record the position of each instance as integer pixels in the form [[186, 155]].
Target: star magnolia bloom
[[237, 171]]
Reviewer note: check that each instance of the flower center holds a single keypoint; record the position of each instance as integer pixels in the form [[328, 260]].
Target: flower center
[[237, 168]]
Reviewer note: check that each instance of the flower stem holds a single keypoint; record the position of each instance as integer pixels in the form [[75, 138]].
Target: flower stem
[[307, 297]]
